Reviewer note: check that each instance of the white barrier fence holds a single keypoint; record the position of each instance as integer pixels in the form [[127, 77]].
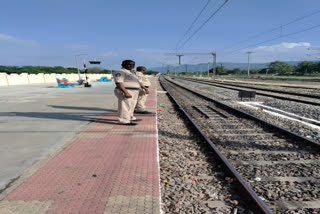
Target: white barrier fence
[[26, 79]]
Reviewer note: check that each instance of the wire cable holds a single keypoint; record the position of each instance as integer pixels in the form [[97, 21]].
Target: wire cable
[[205, 6], [274, 29], [269, 40], [203, 25]]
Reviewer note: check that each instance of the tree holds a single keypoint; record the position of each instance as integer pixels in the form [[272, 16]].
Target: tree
[[307, 67], [280, 67], [150, 72], [221, 70]]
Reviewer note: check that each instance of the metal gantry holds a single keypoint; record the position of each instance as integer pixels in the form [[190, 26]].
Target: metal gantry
[[214, 55]]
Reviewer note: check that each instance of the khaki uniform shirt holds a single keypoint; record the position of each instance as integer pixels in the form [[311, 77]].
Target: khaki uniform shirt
[[128, 78], [143, 79]]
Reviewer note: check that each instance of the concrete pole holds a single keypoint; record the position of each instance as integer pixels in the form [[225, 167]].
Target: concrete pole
[[208, 69], [179, 55], [249, 52], [214, 63], [77, 63]]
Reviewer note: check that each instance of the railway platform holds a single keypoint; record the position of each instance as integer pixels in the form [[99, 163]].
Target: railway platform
[[105, 168]]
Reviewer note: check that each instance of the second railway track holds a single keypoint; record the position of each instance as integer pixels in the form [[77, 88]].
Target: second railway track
[[282, 167], [307, 98]]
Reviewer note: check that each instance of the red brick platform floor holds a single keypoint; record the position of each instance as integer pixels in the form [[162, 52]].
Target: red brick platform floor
[[107, 168]]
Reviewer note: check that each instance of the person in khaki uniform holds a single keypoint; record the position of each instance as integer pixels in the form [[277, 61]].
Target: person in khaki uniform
[[127, 91], [142, 98]]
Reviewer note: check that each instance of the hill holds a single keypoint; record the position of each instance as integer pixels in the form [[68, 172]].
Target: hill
[[204, 66]]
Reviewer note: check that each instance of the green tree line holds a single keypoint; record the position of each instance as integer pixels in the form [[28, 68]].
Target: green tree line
[[275, 68], [56, 69], [48, 70]]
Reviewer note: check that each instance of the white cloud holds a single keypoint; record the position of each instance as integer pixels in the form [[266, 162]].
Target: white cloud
[[283, 46], [10, 39], [284, 51], [109, 54]]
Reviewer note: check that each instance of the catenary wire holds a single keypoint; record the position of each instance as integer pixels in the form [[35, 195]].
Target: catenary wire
[[286, 35], [196, 31], [205, 6], [274, 29]]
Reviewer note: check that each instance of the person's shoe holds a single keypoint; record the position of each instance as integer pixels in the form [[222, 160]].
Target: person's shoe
[[136, 120], [146, 112], [143, 112], [129, 124]]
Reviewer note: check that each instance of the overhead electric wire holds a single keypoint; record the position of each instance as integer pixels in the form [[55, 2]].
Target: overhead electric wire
[[274, 29], [269, 40], [205, 6], [203, 24]]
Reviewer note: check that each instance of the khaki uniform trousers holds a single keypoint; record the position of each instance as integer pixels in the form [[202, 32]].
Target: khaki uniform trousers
[[126, 105], [141, 101]]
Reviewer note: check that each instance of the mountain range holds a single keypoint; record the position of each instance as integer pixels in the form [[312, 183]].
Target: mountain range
[[204, 66]]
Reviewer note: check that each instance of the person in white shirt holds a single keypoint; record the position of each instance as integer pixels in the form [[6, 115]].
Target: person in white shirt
[[142, 98], [127, 91]]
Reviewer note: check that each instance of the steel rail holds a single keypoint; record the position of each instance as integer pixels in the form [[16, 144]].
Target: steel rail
[[252, 117], [284, 86], [266, 89], [259, 206], [259, 93]]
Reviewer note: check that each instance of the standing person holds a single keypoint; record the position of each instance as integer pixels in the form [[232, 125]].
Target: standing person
[[142, 98], [127, 91]]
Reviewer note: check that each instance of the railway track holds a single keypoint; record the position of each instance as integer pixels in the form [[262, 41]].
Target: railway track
[[306, 98], [273, 84], [282, 168]]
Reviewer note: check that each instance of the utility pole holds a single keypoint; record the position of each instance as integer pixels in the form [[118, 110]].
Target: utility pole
[[179, 55], [78, 65], [186, 68], [214, 63], [208, 69], [249, 52]]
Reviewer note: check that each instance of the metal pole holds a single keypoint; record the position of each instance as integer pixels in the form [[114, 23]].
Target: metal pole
[[208, 69], [214, 63], [78, 65], [179, 55], [249, 52], [86, 74]]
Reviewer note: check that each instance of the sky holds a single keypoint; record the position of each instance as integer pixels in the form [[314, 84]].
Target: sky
[[53, 32]]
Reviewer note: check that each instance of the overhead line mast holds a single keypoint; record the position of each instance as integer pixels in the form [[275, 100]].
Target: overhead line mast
[[214, 54]]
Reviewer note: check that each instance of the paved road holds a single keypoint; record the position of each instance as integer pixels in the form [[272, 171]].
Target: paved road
[[37, 120]]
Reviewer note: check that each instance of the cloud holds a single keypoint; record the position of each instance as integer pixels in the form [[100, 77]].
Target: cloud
[[284, 51], [10, 39], [109, 54], [284, 46]]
